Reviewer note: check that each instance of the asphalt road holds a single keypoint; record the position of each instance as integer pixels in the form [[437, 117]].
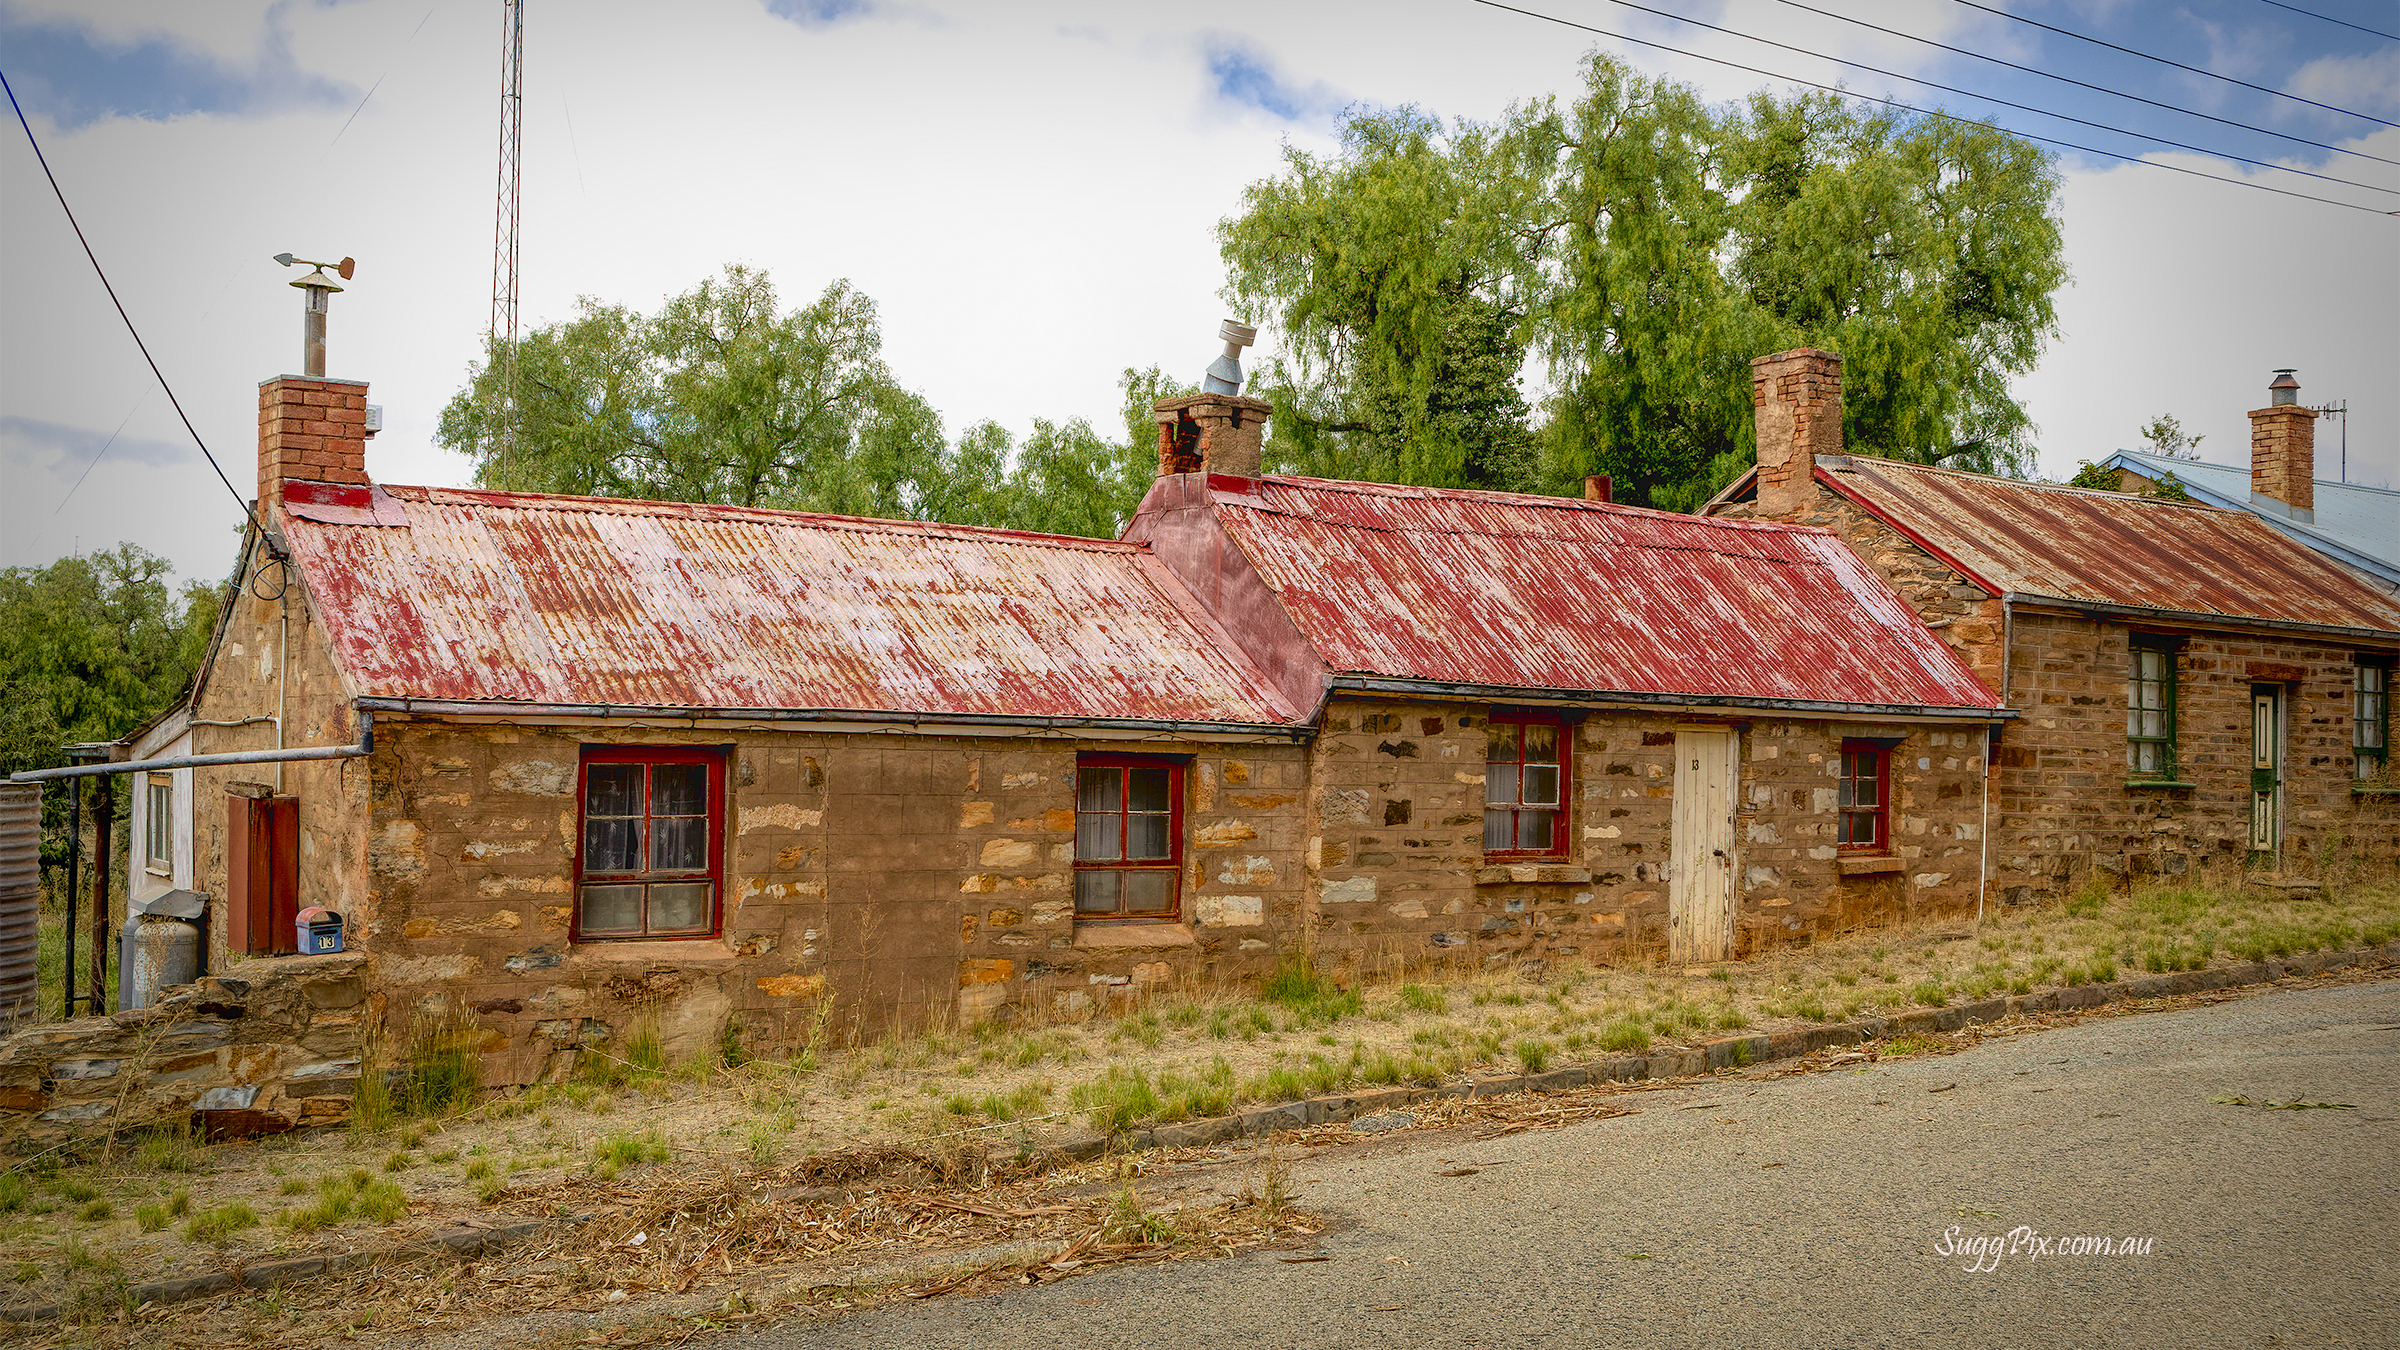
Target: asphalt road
[[1813, 1212]]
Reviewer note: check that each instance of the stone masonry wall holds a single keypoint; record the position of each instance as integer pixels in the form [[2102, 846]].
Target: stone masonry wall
[[2068, 809], [273, 1047], [1396, 860], [871, 880]]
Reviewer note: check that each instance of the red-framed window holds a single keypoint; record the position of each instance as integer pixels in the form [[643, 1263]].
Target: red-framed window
[[1866, 797], [1525, 772], [652, 857], [1128, 836]]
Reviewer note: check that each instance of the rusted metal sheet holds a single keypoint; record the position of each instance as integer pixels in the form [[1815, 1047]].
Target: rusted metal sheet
[[2111, 547], [1550, 593], [499, 597]]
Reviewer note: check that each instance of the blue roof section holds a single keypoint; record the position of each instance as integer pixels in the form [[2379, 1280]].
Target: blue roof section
[[2359, 526]]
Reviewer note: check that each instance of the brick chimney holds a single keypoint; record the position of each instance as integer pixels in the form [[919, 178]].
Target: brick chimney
[[1797, 396], [2283, 447], [313, 429], [1213, 433]]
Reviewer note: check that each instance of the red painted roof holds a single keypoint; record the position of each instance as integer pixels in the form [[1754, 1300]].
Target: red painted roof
[[2042, 539], [1527, 592], [507, 597]]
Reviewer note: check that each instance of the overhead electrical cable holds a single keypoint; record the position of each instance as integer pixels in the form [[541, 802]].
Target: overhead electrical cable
[[2330, 19], [1925, 112], [60, 193], [2196, 70], [2005, 103], [2085, 84]]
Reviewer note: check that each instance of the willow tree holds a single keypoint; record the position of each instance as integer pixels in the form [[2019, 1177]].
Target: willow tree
[[1636, 246], [720, 396]]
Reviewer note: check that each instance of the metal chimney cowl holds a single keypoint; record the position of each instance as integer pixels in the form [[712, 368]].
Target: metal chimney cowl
[[1225, 373], [2284, 389]]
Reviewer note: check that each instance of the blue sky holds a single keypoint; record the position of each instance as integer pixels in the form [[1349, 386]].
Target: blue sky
[[1030, 192]]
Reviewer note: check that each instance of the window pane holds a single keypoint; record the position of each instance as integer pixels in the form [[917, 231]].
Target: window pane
[[1535, 830], [612, 845], [1096, 837], [1101, 789], [1146, 837], [1500, 785], [678, 789], [1149, 892], [158, 828], [679, 844], [612, 790], [1541, 744], [1500, 742], [1146, 789], [1498, 827], [1541, 784], [682, 904], [612, 909], [1097, 892]]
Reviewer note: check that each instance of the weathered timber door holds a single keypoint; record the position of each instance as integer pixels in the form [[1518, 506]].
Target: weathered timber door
[[1700, 848], [2266, 767]]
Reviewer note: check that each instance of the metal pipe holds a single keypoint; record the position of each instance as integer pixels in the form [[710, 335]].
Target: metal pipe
[[283, 652], [365, 746], [66, 970], [1983, 867], [901, 720], [1693, 703], [105, 811], [312, 332]]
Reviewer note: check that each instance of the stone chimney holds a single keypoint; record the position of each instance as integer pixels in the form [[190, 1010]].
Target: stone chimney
[[1212, 433], [313, 429], [2283, 447], [1797, 396]]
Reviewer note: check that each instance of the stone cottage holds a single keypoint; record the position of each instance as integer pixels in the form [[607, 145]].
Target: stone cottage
[[574, 766], [2194, 685]]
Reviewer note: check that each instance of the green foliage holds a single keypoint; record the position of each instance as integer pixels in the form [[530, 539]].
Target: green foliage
[[2098, 478], [220, 1222], [1643, 246], [723, 396], [2167, 437], [91, 647]]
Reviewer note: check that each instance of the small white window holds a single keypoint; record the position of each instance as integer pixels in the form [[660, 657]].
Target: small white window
[[158, 826]]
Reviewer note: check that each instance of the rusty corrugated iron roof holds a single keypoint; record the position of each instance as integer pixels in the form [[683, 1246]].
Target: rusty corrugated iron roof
[[513, 598], [2113, 548], [1527, 592]]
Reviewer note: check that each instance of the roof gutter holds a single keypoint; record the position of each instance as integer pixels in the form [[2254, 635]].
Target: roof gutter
[[2381, 637], [365, 746], [1691, 703], [842, 719]]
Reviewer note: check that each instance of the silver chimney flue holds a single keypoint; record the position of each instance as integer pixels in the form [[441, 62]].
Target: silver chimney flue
[[2283, 389], [319, 289], [1225, 373]]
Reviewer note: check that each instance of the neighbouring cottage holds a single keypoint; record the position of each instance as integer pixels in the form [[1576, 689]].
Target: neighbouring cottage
[[2195, 685], [578, 767], [1552, 727], [2356, 525]]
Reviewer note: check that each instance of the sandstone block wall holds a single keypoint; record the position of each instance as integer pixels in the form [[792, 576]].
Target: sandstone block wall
[[270, 1044], [1396, 846], [870, 880], [2068, 809]]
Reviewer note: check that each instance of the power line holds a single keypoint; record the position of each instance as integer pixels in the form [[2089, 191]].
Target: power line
[[2330, 19], [60, 193], [2129, 51], [2083, 84], [1927, 112], [2005, 103]]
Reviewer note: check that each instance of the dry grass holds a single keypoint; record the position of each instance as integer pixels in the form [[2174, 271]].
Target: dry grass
[[937, 1108]]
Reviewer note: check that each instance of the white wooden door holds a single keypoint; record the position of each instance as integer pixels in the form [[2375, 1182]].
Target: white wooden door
[[1700, 848]]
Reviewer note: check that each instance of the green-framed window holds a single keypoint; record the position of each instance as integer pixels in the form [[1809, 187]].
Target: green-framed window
[[2150, 707], [2371, 717]]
